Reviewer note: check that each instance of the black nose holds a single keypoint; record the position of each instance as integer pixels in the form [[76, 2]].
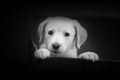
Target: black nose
[[56, 46]]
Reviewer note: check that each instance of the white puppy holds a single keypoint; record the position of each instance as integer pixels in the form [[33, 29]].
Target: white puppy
[[62, 37]]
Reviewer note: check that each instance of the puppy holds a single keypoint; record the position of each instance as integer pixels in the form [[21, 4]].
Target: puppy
[[62, 37]]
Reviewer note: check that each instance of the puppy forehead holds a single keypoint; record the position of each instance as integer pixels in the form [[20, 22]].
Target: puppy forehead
[[60, 25]]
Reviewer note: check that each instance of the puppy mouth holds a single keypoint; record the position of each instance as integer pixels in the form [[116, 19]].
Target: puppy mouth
[[56, 52]]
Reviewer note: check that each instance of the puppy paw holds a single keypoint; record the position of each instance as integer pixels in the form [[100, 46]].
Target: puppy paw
[[89, 56], [42, 53]]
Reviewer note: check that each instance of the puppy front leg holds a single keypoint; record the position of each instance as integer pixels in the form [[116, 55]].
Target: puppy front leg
[[89, 56], [42, 53]]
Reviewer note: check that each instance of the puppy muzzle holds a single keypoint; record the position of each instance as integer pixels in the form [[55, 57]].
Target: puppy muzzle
[[55, 48]]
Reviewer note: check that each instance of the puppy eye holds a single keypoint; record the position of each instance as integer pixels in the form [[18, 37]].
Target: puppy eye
[[50, 32], [67, 34]]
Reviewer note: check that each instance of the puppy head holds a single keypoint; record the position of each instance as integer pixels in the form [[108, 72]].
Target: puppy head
[[61, 31]]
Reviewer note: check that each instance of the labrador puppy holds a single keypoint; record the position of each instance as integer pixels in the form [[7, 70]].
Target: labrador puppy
[[62, 37]]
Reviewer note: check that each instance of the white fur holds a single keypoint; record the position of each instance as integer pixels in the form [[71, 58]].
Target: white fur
[[59, 29], [89, 56], [42, 53], [60, 26]]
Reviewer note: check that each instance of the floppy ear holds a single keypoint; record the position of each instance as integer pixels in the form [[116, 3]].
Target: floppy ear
[[81, 34], [41, 31]]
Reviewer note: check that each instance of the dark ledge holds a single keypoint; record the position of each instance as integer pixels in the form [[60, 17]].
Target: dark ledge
[[75, 66], [63, 67]]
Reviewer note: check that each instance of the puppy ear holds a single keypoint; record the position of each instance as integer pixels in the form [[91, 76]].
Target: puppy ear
[[41, 31], [81, 34]]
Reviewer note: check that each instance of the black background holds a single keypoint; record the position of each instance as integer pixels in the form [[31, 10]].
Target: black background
[[101, 21]]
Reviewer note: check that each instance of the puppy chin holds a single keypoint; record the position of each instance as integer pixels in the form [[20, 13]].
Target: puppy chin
[[56, 51], [59, 51]]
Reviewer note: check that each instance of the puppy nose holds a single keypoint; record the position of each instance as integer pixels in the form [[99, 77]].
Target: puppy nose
[[56, 46]]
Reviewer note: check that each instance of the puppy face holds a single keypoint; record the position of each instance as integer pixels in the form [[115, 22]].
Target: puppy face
[[59, 36]]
